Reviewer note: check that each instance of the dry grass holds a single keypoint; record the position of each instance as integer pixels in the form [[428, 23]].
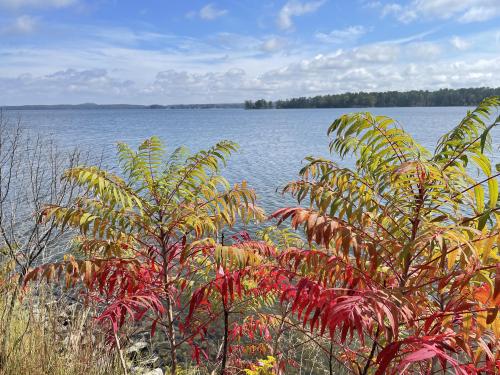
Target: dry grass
[[54, 338]]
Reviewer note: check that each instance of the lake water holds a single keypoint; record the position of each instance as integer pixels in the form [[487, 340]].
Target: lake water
[[273, 143]]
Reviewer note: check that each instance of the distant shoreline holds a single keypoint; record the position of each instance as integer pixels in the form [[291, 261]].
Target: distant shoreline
[[463, 97], [90, 106], [239, 107]]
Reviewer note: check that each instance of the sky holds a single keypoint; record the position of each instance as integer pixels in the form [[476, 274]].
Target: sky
[[227, 51]]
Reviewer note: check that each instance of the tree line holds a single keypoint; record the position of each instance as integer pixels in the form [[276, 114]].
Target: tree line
[[414, 98], [259, 104]]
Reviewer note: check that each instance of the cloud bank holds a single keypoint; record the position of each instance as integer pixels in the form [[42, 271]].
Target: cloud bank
[[371, 67]]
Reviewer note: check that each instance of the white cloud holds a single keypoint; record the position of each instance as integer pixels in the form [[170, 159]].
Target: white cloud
[[403, 14], [392, 8], [349, 34], [459, 43], [273, 44], [294, 8], [93, 80], [372, 67], [352, 75], [371, 4], [69, 86], [200, 86], [208, 13], [424, 50], [36, 3], [464, 10], [24, 24], [480, 13], [375, 53]]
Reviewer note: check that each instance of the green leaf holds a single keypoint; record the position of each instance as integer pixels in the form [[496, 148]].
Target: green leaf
[[479, 194], [493, 190]]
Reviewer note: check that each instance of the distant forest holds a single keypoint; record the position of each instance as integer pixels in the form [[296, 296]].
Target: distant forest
[[414, 98]]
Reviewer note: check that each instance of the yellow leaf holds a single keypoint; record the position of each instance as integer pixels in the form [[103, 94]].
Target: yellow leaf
[[452, 256]]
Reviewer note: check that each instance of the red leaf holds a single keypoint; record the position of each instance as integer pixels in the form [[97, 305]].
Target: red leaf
[[386, 356], [153, 327]]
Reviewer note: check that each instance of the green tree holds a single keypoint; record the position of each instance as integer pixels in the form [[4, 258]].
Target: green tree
[[414, 98], [408, 247], [249, 104], [158, 210]]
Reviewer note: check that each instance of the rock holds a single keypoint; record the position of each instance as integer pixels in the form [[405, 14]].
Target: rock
[[137, 347], [137, 350], [145, 371], [137, 370], [156, 371], [149, 361], [139, 354], [140, 336]]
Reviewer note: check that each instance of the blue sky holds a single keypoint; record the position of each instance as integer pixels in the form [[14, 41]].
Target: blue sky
[[179, 51]]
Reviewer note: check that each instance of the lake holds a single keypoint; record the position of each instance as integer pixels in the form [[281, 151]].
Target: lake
[[273, 143]]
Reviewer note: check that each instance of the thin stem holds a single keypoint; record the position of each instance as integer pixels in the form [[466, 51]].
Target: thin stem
[[120, 353], [225, 344], [330, 362], [372, 353]]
